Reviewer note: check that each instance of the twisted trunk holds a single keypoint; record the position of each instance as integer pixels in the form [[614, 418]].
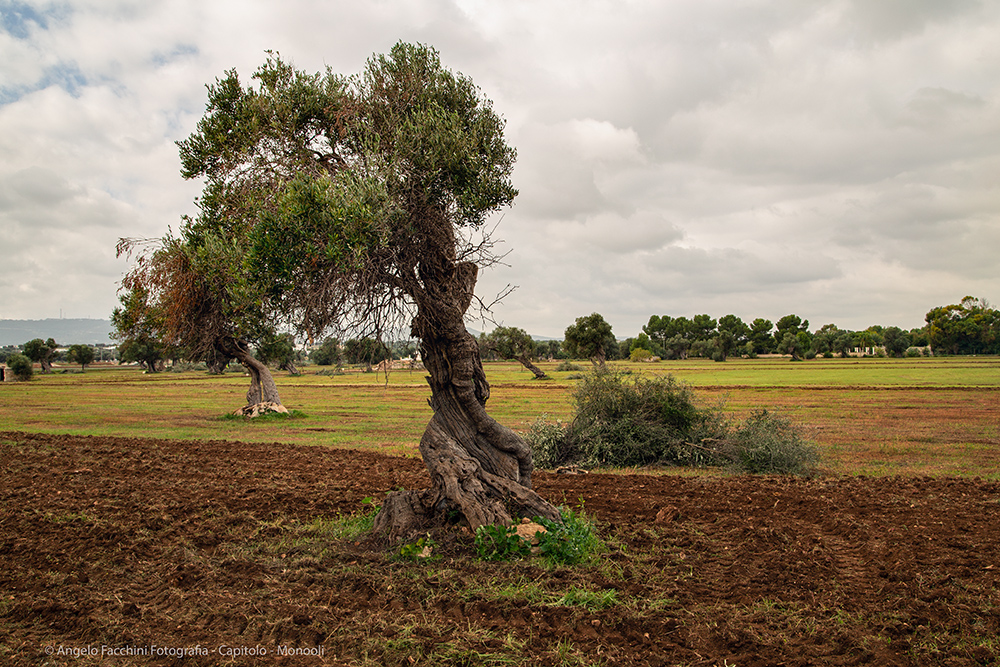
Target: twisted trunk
[[480, 470], [262, 390], [526, 362]]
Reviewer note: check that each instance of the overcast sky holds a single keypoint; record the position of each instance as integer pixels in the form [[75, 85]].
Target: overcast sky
[[834, 159]]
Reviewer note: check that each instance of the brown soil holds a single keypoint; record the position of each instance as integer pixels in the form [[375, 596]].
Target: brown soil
[[113, 544]]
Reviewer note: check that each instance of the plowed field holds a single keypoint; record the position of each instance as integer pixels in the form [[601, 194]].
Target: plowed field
[[157, 552]]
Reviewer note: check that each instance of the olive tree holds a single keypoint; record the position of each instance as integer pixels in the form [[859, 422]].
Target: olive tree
[[590, 337], [138, 329], [81, 354], [196, 290], [359, 205], [278, 350], [41, 351], [514, 343]]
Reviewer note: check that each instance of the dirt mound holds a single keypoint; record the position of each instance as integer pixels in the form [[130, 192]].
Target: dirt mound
[[158, 552]]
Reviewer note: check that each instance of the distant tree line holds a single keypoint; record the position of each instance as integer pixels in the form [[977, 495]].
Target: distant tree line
[[969, 327], [45, 352]]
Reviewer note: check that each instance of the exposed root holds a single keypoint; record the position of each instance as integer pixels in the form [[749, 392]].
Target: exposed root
[[258, 409]]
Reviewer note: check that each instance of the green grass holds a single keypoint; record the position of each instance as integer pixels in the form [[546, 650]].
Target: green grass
[[868, 416]]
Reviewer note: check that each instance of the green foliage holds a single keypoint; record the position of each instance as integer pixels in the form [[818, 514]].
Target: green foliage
[[419, 552], [568, 366], [40, 351], [640, 354], [277, 350], [500, 543], [767, 443], [623, 420], [81, 354], [327, 354], [264, 417], [590, 337], [323, 194], [572, 541], [970, 327], [20, 366], [366, 351], [138, 328], [549, 443], [509, 343]]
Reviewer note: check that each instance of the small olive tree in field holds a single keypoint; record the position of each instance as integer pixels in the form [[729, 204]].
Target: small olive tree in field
[[514, 343], [328, 353], [41, 351], [279, 351], [81, 354], [590, 337], [358, 205], [138, 329]]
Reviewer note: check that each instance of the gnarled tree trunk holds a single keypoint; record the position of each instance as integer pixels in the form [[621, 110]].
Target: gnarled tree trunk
[[263, 391], [478, 467], [526, 362]]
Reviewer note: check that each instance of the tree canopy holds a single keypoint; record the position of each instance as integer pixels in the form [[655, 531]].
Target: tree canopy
[[590, 337], [513, 343], [969, 327], [355, 204], [81, 354], [41, 351]]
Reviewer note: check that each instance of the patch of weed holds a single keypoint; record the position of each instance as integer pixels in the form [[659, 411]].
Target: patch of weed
[[419, 551], [500, 543], [590, 600], [572, 541]]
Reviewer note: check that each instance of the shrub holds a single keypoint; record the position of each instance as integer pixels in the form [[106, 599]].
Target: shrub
[[187, 366], [768, 443], [624, 421], [640, 354], [568, 366], [548, 442], [20, 365], [628, 421], [500, 543], [571, 542]]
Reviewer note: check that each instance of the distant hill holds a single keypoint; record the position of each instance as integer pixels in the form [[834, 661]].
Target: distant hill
[[64, 331]]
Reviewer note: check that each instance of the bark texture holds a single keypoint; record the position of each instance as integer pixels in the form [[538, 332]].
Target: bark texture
[[480, 469], [526, 362], [262, 387]]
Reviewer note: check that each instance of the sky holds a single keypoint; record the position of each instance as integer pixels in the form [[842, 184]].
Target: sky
[[835, 159]]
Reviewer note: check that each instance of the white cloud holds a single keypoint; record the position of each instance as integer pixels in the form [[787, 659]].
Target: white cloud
[[835, 159]]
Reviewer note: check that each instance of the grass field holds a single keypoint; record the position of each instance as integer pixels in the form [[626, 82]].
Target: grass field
[[924, 416]]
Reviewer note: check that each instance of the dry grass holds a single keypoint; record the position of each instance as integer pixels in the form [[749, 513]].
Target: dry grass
[[869, 416]]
